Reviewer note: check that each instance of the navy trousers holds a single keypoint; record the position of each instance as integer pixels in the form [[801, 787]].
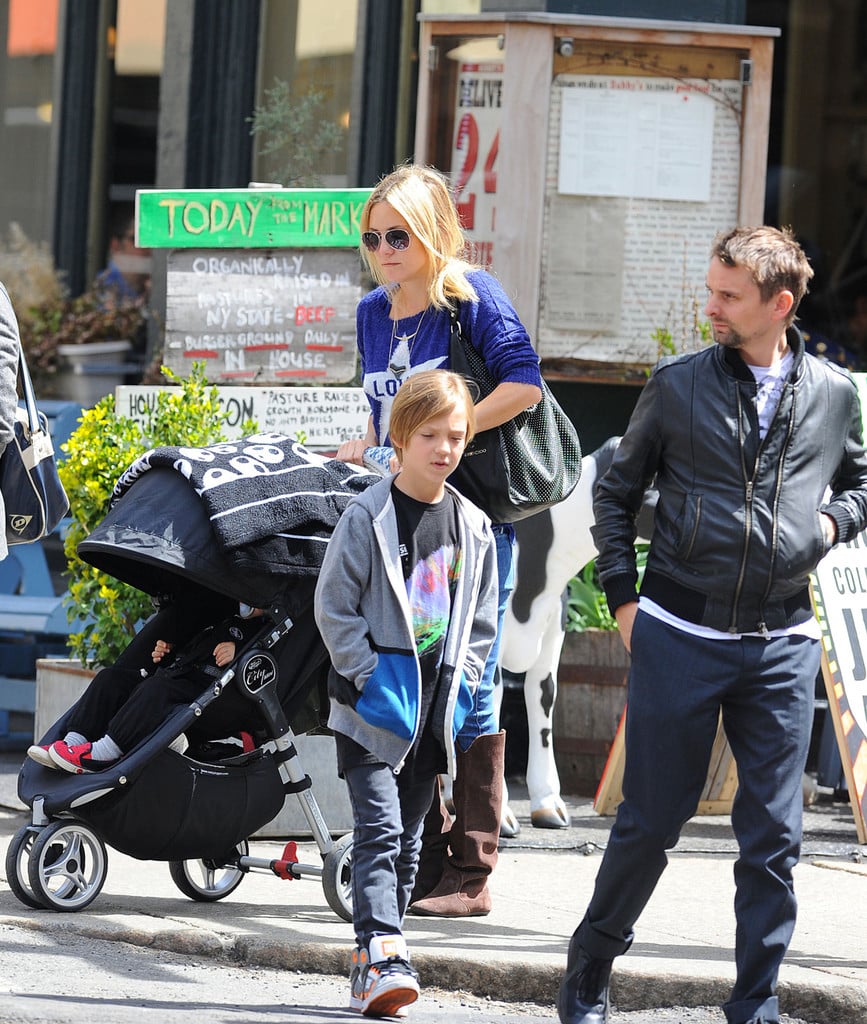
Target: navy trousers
[[678, 685]]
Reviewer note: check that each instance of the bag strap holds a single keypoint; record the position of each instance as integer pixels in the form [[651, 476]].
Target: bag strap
[[484, 378], [28, 393], [24, 376]]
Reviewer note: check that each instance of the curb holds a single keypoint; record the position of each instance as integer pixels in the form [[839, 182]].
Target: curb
[[506, 981]]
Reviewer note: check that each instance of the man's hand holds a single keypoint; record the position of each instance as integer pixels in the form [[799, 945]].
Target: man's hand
[[625, 616], [829, 528]]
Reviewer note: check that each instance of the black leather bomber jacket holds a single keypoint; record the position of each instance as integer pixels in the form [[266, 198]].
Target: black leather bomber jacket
[[736, 529]]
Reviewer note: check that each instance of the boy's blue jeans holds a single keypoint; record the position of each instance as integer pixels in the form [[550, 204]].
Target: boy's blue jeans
[[388, 811], [678, 684], [482, 720]]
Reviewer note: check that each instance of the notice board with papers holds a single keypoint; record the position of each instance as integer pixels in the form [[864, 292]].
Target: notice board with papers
[[594, 159]]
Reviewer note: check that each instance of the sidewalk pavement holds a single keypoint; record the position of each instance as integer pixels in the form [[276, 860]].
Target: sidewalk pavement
[[682, 955]]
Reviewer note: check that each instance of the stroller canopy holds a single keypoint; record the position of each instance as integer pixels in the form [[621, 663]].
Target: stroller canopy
[[247, 519]]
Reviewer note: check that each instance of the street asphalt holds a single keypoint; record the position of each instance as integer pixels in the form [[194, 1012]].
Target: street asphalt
[[682, 955]]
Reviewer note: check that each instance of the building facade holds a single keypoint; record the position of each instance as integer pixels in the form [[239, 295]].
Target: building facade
[[100, 97]]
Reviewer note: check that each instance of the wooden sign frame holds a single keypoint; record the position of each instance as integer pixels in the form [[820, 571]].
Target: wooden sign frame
[[535, 49], [262, 284], [719, 788]]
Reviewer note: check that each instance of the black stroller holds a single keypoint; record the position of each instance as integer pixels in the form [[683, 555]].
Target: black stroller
[[197, 810]]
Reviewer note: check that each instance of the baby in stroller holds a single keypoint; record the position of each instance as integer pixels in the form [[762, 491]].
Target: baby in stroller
[[125, 702]]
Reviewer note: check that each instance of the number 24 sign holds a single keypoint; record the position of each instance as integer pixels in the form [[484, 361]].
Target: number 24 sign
[[474, 154]]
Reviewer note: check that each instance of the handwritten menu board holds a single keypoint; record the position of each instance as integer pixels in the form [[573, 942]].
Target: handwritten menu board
[[261, 283], [264, 316]]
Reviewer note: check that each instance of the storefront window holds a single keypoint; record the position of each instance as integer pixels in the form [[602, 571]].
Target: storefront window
[[314, 56], [138, 63], [28, 31], [817, 161]]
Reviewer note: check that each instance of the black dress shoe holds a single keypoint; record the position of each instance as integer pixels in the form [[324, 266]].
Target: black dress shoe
[[583, 997]]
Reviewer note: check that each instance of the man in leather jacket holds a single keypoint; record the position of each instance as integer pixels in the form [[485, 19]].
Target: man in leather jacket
[[756, 449]]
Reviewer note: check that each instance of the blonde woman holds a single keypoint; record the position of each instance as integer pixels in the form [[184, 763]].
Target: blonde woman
[[413, 245]]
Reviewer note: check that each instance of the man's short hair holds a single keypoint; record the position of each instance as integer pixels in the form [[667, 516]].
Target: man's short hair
[[773, 257]]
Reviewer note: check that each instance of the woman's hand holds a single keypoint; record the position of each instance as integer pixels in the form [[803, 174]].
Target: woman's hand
[[352, 451], [504, 403]]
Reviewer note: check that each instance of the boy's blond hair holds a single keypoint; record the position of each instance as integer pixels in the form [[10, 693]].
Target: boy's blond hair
[[423, 397]]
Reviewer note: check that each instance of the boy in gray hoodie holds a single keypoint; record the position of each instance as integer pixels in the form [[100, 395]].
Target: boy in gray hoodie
[[406, 604]]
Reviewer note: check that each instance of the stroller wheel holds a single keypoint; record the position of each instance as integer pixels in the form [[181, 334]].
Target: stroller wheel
[[337, 877], [17, 858], [68, 866], [207, 880]]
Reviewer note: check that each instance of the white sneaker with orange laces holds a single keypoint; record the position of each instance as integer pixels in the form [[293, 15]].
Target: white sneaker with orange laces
[[382, 981]]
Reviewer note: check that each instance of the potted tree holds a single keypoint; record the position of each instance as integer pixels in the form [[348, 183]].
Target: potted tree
[[79, 348], [66, 339]]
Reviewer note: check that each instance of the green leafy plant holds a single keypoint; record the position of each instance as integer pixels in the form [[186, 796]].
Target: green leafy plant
[[692, 332], [683, 329], [295, 135], [93, 458], [586, 606]]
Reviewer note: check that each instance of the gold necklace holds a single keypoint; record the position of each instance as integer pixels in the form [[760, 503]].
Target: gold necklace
[[400, 368]]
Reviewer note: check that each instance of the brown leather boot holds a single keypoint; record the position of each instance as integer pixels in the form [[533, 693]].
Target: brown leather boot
[[478, 792], [434, 846]]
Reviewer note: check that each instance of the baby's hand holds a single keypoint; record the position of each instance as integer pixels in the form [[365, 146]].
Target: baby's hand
[[161, 649], [224, 653]]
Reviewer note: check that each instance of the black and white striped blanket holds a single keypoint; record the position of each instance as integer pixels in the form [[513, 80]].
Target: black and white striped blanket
[[271, 502]]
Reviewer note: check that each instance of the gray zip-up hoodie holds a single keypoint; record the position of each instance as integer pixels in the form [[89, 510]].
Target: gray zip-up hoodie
[[363, 614]]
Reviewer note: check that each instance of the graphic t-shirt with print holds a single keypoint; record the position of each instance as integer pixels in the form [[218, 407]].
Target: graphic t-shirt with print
[[431, 558]]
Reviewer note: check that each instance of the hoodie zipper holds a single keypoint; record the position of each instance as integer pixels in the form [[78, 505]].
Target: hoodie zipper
[[394, 570]]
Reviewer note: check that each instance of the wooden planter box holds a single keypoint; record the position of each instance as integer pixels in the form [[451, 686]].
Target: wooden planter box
[[59, 684], [591, 695]]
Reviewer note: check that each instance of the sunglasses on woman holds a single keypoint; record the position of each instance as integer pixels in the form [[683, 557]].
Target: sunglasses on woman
[[395, 238]]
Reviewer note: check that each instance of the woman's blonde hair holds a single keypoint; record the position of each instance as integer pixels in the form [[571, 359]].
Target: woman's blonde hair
[[423, 397], [421, 195]]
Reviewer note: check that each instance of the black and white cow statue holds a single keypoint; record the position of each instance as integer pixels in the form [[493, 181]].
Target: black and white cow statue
[[552, 547]]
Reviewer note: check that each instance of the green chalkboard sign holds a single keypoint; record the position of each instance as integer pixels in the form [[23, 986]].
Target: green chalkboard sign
[[249, 218]]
